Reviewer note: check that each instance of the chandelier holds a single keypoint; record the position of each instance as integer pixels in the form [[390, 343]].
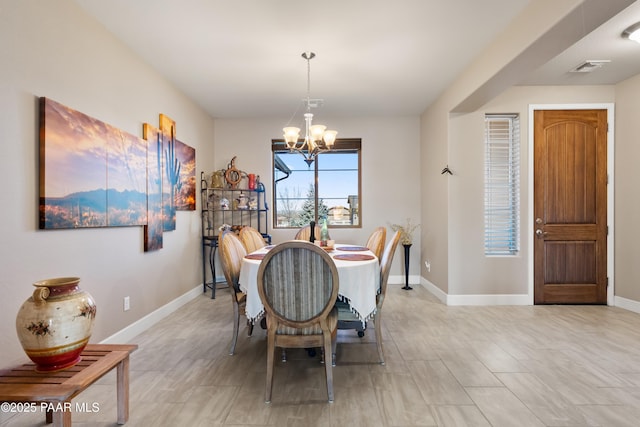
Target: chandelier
[[316, 138]]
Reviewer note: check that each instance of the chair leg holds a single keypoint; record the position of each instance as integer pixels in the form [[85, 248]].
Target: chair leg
[[328, 368], [360, 329], [249, 328], [236, 326], [334, 339], [378, 326], [271, 349]]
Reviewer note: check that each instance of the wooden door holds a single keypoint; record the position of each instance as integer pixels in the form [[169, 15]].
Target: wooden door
[[570, 207]]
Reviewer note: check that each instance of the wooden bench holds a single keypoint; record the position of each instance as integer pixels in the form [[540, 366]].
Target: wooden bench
[[24, 384]]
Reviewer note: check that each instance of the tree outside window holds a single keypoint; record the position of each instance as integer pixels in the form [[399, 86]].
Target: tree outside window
[[328, 188]]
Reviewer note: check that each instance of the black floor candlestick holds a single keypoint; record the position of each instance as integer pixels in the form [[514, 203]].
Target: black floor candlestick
[[406, 267]]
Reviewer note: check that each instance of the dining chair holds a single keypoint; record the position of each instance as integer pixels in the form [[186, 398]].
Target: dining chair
[[232, 251], [252, 239], [298, 285], [376, 241], [305, 233], [348, 320]]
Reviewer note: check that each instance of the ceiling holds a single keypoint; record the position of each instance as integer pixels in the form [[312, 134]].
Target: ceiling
[[604, 43], [242, 58]]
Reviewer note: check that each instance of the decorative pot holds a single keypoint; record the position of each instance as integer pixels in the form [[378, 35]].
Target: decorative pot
[[252, 181], [217, 179], [55, 323]]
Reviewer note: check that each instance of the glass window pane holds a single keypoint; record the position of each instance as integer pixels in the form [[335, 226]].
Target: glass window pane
[[336, 189], [292, 190], [333, 175]]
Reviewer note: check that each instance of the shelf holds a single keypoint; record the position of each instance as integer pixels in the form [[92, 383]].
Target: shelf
[[213, 217]]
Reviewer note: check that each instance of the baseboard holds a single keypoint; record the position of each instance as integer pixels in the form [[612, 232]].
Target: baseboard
[[503, 299], [127, 334], [627, 304], [400, 280], [621, 302], [434, 290], [474, 299]]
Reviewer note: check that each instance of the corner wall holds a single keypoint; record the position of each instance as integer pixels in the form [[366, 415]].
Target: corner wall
[[391, 170]]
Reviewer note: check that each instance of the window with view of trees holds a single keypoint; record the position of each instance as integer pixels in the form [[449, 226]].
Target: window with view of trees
[[328, 188]]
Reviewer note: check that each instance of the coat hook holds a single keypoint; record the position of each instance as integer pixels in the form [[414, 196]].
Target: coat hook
[[446, 170]]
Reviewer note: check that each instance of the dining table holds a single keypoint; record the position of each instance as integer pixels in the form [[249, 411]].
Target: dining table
[[358, 272]]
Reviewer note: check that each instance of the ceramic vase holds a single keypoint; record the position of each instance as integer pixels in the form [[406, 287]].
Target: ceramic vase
[[55, 323]]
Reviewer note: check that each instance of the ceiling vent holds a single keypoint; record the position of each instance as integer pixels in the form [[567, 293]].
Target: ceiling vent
[[590, 65]]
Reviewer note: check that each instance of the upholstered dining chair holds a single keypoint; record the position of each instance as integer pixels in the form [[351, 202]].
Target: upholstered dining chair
[[348, 320], [298, 284], [376, 241], [251, 239], [231, 253], [305, 233]]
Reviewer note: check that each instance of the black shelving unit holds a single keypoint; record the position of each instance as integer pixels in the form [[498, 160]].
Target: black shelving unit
[[221, 205]]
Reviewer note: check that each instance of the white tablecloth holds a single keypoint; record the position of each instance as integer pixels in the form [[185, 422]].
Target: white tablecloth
[[359, 284]]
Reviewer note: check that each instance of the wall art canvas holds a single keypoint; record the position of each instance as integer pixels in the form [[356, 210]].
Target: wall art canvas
[[154, 228], [91, 173], [171, 172], [185, 197]]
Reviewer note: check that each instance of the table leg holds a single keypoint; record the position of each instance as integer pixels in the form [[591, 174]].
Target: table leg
[[61, 418], [122, 379]]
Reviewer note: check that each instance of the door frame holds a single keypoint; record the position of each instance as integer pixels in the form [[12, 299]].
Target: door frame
[[529, 229]]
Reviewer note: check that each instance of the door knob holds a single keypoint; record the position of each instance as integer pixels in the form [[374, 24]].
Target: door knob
[[540, 233]]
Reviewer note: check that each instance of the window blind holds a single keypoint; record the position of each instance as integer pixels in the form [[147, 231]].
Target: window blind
[[502, 184]]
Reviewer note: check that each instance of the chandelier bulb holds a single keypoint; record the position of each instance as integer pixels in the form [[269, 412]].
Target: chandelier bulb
[[330, 137]]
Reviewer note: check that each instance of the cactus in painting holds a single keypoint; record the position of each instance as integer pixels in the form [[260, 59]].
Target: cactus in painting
[[173, 168]]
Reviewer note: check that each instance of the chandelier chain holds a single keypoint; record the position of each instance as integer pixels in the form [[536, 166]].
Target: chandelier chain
[[309, 83], [316, 138]]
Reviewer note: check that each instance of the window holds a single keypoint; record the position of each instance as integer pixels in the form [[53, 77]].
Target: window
[[502, 184], [328, 188]]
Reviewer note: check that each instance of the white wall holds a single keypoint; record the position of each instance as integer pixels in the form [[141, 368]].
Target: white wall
[[627, 197], [483, 275], [53, 49], [391, 170], [451, 207]]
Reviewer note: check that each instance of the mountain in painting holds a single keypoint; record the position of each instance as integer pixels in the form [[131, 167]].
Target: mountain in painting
[[89, 209]]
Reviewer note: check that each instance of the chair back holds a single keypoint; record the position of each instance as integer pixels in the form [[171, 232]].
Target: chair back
[[305, 233], [385, 265], [298, 285], [376, 241], [251, 239], [231, 253]]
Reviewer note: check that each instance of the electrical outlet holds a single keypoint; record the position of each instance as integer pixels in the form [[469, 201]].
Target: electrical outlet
[[126, 305], [427, 264]]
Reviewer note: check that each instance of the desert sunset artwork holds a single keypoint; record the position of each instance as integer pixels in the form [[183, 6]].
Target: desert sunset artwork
[[91, 173]]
